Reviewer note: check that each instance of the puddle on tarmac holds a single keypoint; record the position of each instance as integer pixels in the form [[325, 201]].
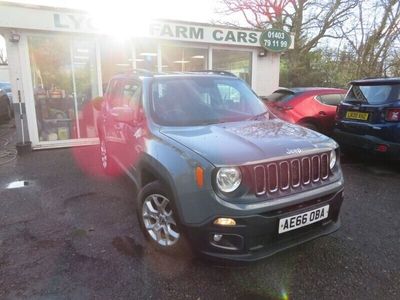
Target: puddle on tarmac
[[380, 171], [128, 246], [17, 184]]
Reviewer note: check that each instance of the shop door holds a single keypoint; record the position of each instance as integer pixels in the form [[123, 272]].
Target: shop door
[[64, 77]]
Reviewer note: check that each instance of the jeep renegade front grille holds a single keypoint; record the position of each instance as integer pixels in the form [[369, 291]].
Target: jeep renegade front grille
[[295, 173]]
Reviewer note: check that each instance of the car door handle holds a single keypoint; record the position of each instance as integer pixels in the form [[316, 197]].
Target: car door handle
[[322, 113]]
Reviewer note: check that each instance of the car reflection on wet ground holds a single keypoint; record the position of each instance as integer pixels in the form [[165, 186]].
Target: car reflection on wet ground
[[71, 232]]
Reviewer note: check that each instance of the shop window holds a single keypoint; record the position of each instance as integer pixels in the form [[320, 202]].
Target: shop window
[[116, 58], [64, 77], [183, 59], [237, 62], [146, 55]]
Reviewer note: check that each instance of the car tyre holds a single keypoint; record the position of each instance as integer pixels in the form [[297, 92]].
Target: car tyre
[[9, 113], [309, 126], [159, 221]]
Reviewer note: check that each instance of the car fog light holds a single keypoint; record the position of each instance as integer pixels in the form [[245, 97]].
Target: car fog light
[[225, 222], [332, 159], [217, 237]]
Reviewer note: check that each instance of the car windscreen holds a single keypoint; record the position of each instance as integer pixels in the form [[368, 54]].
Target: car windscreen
[[192, 101], [374, 94], [281, 96]]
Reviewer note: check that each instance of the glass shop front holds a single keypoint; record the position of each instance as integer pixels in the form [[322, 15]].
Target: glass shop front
[[68, 71]]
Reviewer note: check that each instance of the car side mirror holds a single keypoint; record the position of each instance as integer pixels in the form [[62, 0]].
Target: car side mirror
[[123, 114], [97, 103]]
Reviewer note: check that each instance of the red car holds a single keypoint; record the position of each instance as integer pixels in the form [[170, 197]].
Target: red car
[[311, 107]]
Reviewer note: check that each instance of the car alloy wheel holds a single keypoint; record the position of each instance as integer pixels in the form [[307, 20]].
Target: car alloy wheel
[[159, 220]]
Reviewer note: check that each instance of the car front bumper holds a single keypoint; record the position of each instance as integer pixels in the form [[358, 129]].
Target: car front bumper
[[368, 143], [256, 236]]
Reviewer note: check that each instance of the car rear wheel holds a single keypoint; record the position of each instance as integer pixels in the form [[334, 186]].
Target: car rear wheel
[[158, 219], [7, 116], [309, 126], [9, 113]]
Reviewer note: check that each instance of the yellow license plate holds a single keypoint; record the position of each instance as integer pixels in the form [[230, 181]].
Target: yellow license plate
[[357, 115]]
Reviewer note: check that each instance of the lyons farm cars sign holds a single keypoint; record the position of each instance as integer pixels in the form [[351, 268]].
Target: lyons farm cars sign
[[272, 39], [45, 19]]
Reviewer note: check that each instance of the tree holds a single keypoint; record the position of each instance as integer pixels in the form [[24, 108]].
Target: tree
[[309, 20], [335, 40], [374, 40], [260, 14]]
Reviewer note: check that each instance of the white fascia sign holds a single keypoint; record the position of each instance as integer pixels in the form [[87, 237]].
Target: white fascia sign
[[204, 33], [46, 19]]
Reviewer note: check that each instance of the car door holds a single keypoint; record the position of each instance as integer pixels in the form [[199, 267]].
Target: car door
[[111, 126], [131, 132], [327, 109]]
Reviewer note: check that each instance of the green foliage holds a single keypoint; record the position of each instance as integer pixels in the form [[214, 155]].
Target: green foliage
[[362, 38], [321, 67]]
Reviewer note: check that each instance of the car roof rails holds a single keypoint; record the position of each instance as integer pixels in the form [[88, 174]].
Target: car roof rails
[[139, 72], [375, 77], [216, 72]]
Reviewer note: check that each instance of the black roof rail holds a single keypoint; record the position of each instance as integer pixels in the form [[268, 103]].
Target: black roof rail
[[139, 72], [215, 72], [375, 77]]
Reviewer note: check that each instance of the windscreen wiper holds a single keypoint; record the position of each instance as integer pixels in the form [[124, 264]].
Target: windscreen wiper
[[257, 117]]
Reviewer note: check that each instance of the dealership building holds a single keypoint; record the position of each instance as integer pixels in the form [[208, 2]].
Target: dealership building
[[59, 60]]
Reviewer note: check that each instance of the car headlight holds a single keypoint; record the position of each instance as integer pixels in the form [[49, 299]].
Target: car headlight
[[228, 179], [332, 159]]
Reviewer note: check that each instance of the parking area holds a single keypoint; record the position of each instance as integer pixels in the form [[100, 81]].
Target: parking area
[[68, 232]]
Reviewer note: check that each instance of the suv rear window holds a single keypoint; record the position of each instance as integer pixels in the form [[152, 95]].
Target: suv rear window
[[374, 94], [281, 96]]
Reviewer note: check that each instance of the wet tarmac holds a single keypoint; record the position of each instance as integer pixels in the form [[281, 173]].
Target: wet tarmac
[[72, 233]]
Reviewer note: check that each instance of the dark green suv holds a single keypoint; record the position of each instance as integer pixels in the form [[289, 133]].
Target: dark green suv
[[215, 168]]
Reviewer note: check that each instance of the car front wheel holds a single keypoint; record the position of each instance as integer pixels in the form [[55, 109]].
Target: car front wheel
[[158, 219]]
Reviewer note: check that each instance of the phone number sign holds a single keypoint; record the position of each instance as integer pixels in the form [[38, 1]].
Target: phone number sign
[[275, 40]]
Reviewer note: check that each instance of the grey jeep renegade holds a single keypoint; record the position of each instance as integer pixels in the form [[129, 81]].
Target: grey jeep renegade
[[213, 167]]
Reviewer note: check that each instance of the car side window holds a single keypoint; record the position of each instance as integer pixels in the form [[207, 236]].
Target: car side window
[[331, 99], [131, 94], [114, 96]]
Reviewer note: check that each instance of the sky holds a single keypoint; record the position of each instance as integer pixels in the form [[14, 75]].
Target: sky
[[188, 10]]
